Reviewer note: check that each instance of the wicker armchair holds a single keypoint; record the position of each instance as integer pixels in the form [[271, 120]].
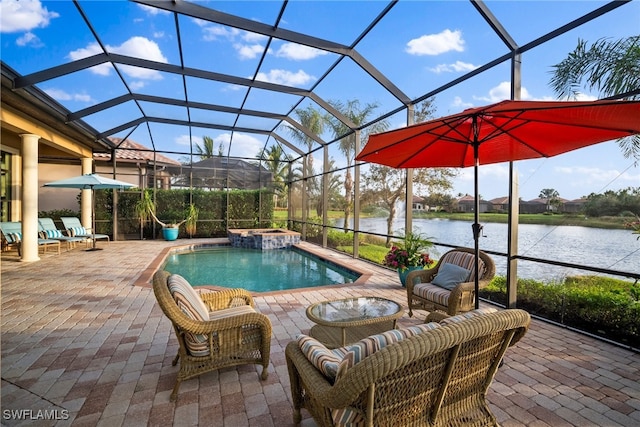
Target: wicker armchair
[[442, 302], [437, 377], [233, 333]]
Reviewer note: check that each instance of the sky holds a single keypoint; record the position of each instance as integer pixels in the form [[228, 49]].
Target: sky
[[418, 45]]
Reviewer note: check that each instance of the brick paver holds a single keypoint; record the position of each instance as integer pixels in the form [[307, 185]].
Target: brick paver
[[83, 342]]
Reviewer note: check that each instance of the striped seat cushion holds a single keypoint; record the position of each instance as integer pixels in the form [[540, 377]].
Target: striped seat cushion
[[350, 416], [357, 352], [468, 315], [52, 234], [15, 237], [190, 303], [432, 293]]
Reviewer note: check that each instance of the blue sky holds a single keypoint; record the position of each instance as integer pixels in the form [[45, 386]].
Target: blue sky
[[419, 45]]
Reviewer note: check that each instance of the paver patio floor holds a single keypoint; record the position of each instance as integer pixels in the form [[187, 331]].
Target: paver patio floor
[[82, 341]]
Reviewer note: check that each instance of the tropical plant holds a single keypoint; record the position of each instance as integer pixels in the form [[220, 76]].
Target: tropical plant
[[277, 162], [611, 67], [550, 195], [192, 219], [409, 253]]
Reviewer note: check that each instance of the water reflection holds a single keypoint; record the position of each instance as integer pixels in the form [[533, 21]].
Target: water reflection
[[605, 248]]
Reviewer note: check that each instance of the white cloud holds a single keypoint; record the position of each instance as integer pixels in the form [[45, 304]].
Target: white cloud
[[298, 52], [215, 32], [153, 10], [582, 176], [62, 95], [502, 92], [184, 140], [158, 34], [285, 77], [456, 67], [29, 39], [458, 103], [243, 145], [23, 15], [137, 47], [246, 51], [435, 44]]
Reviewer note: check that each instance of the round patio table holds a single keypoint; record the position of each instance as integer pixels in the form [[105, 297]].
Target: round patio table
[[344, 321]]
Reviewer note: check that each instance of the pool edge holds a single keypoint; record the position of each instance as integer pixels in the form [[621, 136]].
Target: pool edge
[[145, 278]]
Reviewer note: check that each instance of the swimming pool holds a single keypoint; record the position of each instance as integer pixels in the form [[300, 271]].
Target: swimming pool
[[256, 270]]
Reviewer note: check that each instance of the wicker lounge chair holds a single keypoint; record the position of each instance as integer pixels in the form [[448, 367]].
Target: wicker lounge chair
[[48, 230], [75, 229], [232, 334], [438, 377], [12, 238], [423, 294]]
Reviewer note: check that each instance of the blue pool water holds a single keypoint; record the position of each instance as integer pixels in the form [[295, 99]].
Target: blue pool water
[[256, 270]]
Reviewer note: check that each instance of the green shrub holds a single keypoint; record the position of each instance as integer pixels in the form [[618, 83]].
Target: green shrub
[[600, 305]]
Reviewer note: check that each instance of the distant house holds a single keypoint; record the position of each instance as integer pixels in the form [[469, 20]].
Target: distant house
[[135, 159], [500, 204], [573, 206], [468, 204], [533, 206], [419, 204]]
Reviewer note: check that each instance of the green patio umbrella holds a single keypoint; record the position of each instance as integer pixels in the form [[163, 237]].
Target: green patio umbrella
[[91, 182]]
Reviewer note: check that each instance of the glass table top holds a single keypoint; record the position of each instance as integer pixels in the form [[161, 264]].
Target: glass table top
[[353, 309]]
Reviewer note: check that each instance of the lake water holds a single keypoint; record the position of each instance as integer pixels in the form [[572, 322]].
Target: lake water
[[604, 248]]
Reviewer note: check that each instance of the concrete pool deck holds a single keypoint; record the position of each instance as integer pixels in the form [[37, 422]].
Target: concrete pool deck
[[79, 338]]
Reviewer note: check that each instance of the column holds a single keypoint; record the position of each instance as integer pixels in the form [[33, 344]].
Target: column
[[86, 199], [30, 197]]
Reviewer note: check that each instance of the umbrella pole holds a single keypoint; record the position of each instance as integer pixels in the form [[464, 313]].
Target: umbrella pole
[[93, 219], [476, 225]]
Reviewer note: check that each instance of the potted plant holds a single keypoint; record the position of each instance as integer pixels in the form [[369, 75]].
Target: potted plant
[[192, 219], [146, 210], [408, 255]]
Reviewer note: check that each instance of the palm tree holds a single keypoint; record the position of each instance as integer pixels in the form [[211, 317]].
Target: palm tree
[[610, 67], [347, 144], [206, 150], [550, 195], [277, 162], [313, 121]]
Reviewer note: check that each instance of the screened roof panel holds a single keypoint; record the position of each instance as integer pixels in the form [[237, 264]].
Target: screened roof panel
[[394, 53], [219, 48], [322, 18]]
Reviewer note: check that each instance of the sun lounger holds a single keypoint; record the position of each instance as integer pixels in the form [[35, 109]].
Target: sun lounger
[[12, 236], [75, 229], [48, 230]]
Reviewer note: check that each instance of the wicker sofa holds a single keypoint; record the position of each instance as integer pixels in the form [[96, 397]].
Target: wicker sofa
[[436, 376], [228, 333], [423, 294]]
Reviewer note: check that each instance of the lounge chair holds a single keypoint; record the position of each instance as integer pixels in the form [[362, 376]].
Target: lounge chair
[[48, 230], [75, 229], [215, 329], [448, 288], [434, 374], [12, 237]]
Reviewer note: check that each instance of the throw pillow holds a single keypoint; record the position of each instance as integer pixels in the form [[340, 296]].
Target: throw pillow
[[449, 275], [320, 356], [52, 234], [190, 303], [367, 346]]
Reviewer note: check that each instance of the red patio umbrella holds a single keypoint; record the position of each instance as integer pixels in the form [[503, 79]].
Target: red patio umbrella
[[502, 132]]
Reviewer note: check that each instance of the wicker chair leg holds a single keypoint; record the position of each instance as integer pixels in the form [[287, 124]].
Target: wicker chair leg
[[175, 360], [265, 373], [174, 393]]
